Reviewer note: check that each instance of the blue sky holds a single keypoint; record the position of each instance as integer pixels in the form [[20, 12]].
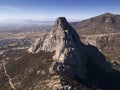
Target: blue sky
[[50, 9]]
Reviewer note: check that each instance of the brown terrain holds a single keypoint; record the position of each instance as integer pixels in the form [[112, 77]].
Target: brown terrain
[[21, 70]]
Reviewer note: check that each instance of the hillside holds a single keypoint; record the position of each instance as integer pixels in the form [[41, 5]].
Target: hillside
[[105, 23]]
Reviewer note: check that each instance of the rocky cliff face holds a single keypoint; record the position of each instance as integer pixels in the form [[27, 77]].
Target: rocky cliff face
[[65, 42], [70, 55]]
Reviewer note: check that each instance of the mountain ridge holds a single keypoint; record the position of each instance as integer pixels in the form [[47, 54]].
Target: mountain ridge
[[105, 23]]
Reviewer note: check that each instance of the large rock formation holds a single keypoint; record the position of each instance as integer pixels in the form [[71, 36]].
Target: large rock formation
[[71, 55], [65, 42]]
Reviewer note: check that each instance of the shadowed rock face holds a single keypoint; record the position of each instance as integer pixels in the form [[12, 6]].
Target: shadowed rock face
[[71, 55]]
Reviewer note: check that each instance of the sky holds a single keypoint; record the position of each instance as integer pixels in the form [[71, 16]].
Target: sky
[[51, 9]]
